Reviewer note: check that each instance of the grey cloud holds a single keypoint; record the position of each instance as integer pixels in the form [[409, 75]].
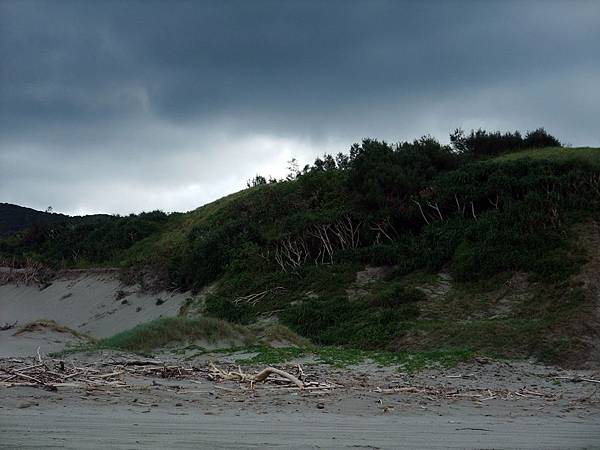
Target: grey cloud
[[163, 94]]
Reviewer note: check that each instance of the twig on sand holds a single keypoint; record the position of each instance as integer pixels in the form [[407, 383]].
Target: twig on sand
[[577, 379]]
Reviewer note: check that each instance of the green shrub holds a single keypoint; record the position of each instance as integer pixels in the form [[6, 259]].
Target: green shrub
[[227, 310], [396, 295]]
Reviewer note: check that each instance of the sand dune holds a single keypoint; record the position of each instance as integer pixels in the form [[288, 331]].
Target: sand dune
[[95, 303]]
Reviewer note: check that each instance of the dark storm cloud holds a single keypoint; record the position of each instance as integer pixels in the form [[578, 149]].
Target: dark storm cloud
[[128, 105]]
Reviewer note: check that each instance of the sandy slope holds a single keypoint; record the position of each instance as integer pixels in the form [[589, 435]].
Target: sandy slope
[[95, 303]]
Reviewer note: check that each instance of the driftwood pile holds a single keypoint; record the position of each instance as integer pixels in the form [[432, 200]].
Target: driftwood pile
[[277, 377], [51, 374]]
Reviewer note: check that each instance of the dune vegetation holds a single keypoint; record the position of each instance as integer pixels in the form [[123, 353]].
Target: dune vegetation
[[475, 246], [177, 330]]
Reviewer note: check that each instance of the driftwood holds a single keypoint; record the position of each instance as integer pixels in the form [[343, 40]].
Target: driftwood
[[263, 374], [282, 379], [239, 375], [50, 374]]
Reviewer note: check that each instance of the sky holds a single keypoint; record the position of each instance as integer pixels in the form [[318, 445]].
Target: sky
[[128, 106]]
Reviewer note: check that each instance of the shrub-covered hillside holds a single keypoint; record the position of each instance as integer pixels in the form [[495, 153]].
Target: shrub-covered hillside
[[445, 230]]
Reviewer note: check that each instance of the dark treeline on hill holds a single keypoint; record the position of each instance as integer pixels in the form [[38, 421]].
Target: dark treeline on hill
[[484, 143], [471, 209], [14, 218], [64, 241]]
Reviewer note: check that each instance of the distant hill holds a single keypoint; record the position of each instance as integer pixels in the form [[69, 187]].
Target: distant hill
[[14, 218]]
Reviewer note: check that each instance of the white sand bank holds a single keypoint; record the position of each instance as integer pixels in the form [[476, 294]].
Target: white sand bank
[[94, 303]]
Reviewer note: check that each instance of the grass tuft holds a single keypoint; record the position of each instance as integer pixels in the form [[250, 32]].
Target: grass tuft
[[169, 330]]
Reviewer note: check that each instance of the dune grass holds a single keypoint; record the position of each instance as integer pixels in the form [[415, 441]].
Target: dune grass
[[278, 333], [170, 330]]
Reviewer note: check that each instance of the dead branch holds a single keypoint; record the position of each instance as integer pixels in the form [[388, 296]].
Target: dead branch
[[240, 376], [494, 203], [382, 228], [461, 209], [254, 299], [347, 233], [291, 253], [321, 233], [473, 211], [435, 207], [421, 210]]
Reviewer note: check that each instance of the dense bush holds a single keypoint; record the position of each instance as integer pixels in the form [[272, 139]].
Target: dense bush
[[396, 295], [67, 244], [485, 143], [383, 176], [337, 320]]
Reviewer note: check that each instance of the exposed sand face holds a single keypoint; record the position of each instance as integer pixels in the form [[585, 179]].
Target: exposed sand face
[[93, 303]]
